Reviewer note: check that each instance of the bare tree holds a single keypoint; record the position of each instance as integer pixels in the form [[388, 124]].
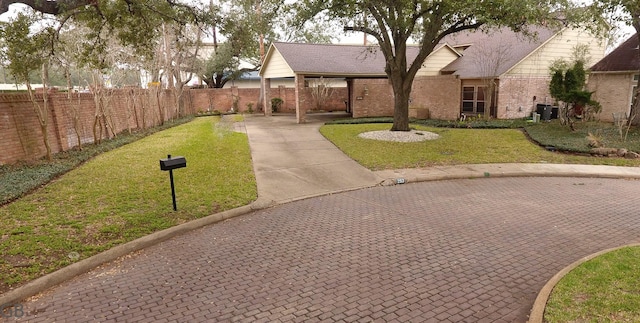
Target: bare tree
[[490, 58], [26, 52], [182, 44], [321, 91]]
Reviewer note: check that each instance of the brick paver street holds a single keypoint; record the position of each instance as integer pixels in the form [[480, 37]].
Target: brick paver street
[[449, 251]]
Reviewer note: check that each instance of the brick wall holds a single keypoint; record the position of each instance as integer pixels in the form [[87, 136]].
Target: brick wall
[[21, 137], [516, 95], [439, 94], [127, 109], [613, 91], [222, 99]]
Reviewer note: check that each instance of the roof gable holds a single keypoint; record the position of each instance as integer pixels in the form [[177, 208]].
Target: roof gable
[[275, 65], [623, 58], [332, 60], [493, 52]]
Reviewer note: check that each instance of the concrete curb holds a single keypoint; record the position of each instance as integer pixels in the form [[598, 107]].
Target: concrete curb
[[57, 277], [537, 311], [505, 170], [417, 179]]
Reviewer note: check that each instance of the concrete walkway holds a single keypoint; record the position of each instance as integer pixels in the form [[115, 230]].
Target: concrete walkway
[[293, 161]]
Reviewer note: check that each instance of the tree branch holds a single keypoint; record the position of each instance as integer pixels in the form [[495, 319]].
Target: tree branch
[[50, 7]]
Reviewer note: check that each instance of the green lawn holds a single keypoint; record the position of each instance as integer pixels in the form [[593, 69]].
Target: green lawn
[[455, 146], [603, 289], [122, 195]]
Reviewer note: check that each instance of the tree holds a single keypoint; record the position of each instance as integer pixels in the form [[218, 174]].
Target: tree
[[182, 44], [394, 23], [27, 52], [489, 61], [321, 91], [245, 26], [567, 86], [133, 23]]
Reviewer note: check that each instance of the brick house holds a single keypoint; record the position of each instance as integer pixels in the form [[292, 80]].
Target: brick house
[[614, 80], [461, 74]]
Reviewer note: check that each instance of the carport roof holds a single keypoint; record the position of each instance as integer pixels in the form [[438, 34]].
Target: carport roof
[[333, 60]]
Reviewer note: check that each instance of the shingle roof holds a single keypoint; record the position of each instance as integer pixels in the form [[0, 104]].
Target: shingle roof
[[493, 52], [337, 60], [623, 58], [358, 60]]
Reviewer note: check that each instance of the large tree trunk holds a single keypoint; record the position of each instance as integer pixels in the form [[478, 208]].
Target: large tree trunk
[[401, 92], [401, 111]]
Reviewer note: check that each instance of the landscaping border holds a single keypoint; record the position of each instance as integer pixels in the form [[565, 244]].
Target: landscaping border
[[540, 304]]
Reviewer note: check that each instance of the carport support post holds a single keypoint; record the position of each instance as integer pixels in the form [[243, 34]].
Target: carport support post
[[266, 95], [300, 101]]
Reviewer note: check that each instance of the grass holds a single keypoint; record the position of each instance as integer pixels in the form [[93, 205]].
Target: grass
[[122, 195], [455, 146], [22, 178], [604, 289]]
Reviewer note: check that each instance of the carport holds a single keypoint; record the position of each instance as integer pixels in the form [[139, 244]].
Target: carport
[[303, 61]]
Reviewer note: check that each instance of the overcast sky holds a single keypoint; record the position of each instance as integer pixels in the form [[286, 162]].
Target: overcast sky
[[354, 37]]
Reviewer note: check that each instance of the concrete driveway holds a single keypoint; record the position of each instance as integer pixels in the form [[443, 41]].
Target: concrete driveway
[[293, 161]]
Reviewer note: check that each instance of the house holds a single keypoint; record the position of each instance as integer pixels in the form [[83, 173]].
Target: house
[[614, 80], [466, 73]]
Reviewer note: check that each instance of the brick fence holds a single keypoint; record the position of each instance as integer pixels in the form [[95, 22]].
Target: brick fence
[[125, 110]]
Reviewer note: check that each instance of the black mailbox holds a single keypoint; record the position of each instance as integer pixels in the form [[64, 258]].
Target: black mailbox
[[173, 163]]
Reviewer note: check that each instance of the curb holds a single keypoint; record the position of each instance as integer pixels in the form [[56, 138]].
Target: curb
[[537, 311], [57, 277], [496, 171]]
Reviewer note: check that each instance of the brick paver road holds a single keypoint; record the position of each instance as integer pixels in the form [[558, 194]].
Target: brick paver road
[[450, 251]]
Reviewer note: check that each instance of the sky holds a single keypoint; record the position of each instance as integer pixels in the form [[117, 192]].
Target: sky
[[624, 32]]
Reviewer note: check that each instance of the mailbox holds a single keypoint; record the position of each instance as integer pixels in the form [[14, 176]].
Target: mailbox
[[173, 163]]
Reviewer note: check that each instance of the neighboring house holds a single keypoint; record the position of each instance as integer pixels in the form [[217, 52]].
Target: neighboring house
[[614, 80], [467, 73]]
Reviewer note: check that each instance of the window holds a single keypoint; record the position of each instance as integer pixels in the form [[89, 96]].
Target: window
[[473, 99], [636, 77]]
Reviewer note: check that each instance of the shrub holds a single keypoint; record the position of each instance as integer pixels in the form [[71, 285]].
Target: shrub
[[276, 104]]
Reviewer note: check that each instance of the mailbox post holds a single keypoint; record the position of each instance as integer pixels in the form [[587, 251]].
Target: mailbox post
[[170, 164]]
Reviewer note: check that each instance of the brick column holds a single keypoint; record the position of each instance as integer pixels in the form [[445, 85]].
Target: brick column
[[266, 96], [300, 104], [282, 93], [235, 98]]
